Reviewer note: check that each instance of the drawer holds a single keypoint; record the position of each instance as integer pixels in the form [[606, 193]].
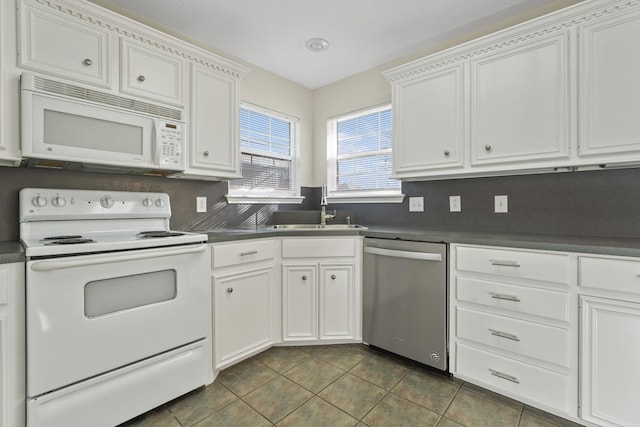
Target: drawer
[[226, 254], [318, 248], [545, 267], [529, 381], [546, 343], [4, 286], [610, 274], [519, 299]]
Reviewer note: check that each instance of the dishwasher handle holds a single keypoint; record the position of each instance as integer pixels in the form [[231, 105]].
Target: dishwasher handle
[[424, 256]]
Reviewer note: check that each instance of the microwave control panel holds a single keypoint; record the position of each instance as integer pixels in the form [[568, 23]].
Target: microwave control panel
[[169, 145]]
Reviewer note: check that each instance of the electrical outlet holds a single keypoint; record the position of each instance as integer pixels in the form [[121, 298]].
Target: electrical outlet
[[455, 204], [201, 204], [501, 204], [416, 204]]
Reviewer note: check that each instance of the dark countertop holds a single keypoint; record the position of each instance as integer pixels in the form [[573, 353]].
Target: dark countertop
[[583, 244], [11, 252]]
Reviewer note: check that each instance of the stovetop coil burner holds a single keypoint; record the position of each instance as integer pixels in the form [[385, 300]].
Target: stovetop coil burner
[[158, 233], [69, 241]]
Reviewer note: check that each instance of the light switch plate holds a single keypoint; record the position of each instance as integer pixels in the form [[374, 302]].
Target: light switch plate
[[501, 204], [455, 204], [201, 204], [416, 204]]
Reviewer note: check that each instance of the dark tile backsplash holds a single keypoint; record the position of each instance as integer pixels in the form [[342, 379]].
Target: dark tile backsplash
[[597, 203]]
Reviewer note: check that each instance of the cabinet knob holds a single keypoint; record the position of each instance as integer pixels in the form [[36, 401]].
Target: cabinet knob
[[87, 62], [229, 290], [487, 147], [333, 277], [141, 78], [206, 154], [446, 153], [304, 277]]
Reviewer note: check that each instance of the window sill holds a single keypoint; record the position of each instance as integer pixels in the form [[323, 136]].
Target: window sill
[[248, 199], [365, 197]]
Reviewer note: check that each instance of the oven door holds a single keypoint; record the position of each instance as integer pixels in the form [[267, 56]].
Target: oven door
[[91, 314]]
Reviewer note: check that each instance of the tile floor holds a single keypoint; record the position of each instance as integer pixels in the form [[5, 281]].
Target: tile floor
[[340, 385]]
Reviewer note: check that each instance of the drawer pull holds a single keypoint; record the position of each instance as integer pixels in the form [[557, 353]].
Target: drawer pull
[[333, 277], [504, 376], [501, 263], [229, 290], [87, 62], [141, 78], [248, 253], [504, 335], [304, 277], [504, 297]]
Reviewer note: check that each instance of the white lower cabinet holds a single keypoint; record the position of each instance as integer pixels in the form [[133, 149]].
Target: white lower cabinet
[[514, 326], [321, 289], [244, 290], [610, 340], [610, 355], [12, 345]]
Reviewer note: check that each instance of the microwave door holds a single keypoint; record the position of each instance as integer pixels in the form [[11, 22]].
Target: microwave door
[[65, 130]]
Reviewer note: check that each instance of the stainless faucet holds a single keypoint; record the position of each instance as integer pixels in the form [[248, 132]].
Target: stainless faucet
[[324, 216]]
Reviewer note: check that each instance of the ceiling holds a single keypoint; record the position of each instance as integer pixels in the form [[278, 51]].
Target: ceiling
[[363, 34]]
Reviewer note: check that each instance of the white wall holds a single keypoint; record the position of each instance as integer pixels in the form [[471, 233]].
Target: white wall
[[263, 88], [370, 88], [313, 108]]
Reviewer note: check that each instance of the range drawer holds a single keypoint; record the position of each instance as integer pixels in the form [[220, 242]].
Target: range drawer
[[621, 275], [511, 263], [541, 385], [519, 299], [530, 339], [227, 254], [318, 248]]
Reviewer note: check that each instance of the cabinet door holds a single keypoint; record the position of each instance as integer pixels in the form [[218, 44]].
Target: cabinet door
[[336, 304], [610, 354], [299, 305], [242, 314], [519, 102], [428, 121], [12, 345], [214, 145], [151, 74], [609, 86], [64, 47]]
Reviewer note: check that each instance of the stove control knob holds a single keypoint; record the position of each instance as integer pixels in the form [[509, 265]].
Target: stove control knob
[[58, 201], [160, 203], [147, 203], [106, 202], [39, 201]]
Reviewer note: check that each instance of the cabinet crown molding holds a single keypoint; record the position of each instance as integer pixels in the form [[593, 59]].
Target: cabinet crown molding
[[76, 10], [562, 20]]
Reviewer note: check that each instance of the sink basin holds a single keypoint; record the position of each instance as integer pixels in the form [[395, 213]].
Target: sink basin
[[319, 227]]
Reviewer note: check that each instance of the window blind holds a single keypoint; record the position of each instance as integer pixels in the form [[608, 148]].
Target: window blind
[[363, 157], [267, 145]]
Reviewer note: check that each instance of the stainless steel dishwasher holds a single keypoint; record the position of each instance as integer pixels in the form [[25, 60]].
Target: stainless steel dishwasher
[[405, 299]]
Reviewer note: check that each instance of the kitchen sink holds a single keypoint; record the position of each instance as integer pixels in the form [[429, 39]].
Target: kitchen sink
[[319, 227]]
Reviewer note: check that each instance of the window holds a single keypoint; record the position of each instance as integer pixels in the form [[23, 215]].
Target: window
[[268, 142], [359, 155]]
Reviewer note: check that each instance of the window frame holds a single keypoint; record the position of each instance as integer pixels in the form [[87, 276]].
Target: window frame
[[239, 196], [364, 196]]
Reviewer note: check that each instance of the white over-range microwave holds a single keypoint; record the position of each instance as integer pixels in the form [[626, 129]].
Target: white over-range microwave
[[64, 124]]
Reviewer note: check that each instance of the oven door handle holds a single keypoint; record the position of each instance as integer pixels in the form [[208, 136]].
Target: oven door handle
[[424, 256], [104, 259]]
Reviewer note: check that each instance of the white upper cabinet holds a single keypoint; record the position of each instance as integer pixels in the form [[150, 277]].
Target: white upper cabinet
[[151, 74], [519, 102], [428, 117], [610, 88], [214, 140], [62, 46], [77, 40], [556, 93]]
